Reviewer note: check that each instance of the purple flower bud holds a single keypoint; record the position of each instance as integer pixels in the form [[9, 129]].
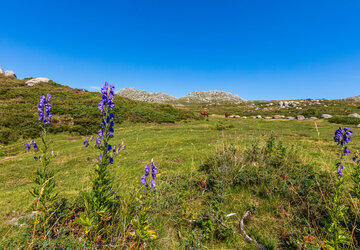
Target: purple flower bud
[[109, 147], [123, 147], [354, 158], [98, 141], [100, 157], [339, 173], [346, 151], [27, 145], [48, 97], [111, 160], [86, 142], [36, 158], [101, 134], [143, 181], [153, 183], [34, 145]]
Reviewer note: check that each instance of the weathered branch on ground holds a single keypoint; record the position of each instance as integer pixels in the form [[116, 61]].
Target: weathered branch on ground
[[246, 236]]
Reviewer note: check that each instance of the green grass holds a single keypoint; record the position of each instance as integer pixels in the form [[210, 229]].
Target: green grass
[[178, 149]]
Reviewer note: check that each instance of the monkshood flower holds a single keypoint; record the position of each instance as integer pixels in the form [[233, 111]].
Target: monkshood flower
[[339, 173], [143, 178], [34, 145], [123, 147], [44, 107], [346, 151], [100, 157], [153, 175], [86, 142], [53, 154], [27, 145], [98, 141]]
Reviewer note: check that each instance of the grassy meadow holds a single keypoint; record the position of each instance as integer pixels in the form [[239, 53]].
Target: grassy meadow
[[179, 150]]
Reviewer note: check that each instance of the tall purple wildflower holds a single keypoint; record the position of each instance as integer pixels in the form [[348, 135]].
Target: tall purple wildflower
[[342, 137], [44, 107], [153, 175]]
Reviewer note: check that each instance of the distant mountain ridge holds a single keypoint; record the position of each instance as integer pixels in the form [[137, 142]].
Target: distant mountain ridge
[[209, 97]]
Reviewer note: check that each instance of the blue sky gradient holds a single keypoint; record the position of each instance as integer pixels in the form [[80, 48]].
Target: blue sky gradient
[[260, 50]]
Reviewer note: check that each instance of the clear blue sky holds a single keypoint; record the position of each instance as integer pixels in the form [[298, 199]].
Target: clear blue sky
[[256, 49]]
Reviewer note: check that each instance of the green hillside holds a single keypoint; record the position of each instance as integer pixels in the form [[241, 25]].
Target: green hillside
[[74, 110]]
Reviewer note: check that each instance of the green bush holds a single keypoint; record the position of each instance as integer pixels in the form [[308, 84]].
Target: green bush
[[345, 120]]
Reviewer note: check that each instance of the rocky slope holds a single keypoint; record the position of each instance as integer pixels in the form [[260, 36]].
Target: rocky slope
[[355, 98], [142, 95], [211, 97]]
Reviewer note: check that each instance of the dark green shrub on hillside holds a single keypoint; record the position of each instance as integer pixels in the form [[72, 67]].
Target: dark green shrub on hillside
[[345, 120]]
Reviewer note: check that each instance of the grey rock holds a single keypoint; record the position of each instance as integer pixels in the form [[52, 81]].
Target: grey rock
[[254, 117], [277, 117], [34, 81], [244, 117], [313, 118], [356, 115], [300, 117], [1, 71], [267, 117], [325, 116], [258, 117], [290, 118], [10, 73]]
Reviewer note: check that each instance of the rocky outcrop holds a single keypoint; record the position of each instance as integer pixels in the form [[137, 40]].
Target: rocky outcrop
[[34, 81], [142, 95], [212, 97], [209, 97], [10, 73], [1, 71], [354, 98]]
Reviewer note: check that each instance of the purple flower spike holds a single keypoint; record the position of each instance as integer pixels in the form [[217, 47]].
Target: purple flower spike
[[44, 107], [86, 142]]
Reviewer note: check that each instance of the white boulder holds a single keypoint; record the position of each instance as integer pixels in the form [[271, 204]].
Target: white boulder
[[10, 73], [1, 71], [325, 116], [34, 81], [356, 115]]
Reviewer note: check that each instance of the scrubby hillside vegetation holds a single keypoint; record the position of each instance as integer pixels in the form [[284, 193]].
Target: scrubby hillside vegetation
[[75, 110]]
